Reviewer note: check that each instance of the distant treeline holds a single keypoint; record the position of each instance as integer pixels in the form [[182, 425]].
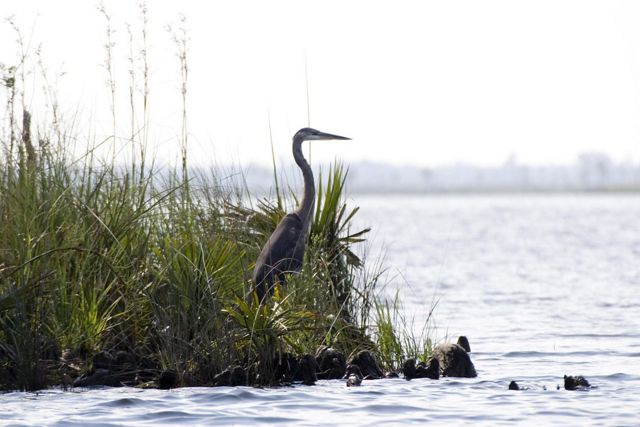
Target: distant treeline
[[590, 172]]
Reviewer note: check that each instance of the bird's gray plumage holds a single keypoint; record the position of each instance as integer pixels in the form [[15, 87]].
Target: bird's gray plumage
[[284, 251]]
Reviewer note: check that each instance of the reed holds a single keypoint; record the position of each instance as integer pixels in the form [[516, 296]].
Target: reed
[[398, 337]]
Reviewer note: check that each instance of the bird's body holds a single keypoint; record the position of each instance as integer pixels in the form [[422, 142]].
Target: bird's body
[[284, 251]]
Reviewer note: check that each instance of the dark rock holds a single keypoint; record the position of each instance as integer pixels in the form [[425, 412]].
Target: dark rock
[[288, 368], [353, 370], [147, 369], [145, 375], [189, 380], [232, 376], [367, 364], [306, 369], [124, 361], [99, 377], [205, 372], [429, 371], [167, 380], [575, 383], [514, 386], [353, 375], [412, 370], [464, 343], [238, 377], [125, 365], [102, 360], [391, 374], [284, 368], [222, 379], [409, 369], [354, 381], [331, 363], [454, 361], [106, 371]]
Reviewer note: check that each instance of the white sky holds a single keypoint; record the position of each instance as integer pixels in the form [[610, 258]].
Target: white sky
[[416, 82]]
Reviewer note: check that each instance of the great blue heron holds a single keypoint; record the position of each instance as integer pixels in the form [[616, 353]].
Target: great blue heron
[[284, 251]]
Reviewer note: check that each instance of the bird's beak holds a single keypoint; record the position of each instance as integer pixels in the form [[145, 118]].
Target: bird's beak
[[322, 135]]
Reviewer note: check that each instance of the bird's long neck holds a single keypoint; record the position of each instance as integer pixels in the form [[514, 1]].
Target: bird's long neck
[[306, 204]]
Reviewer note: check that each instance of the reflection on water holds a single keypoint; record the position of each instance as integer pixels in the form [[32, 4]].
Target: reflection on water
[[542, 285]]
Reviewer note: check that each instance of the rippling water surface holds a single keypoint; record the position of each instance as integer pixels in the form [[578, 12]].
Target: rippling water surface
[[543, 285]]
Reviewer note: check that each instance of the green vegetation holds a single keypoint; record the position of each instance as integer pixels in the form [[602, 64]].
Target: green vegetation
[[396, 338], [100, 254]]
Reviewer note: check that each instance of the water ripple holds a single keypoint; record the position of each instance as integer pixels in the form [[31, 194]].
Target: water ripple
[[126, 401]]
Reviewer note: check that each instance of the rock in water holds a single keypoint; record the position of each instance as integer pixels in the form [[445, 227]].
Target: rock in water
[[285, 368], [432, 370], [232, 376], [421, 370], [409, 369], [332, 364], [126, 364], [354, 381], [353, 376], [575, 383], [102, 360], [464, 343], [307, 368], [367, 364], [110, 371], [454, 361], [125, 361], [353, 370], [238, 376], [98, 377], [168, 380], [222, 379]]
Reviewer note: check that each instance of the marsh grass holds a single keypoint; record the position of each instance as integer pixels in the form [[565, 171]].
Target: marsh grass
[[397, 337], [100, 254]]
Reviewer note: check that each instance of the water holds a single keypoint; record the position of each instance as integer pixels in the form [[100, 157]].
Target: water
[[543, 285]]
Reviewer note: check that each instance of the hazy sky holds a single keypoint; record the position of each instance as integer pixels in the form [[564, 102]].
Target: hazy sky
[[410, 81]]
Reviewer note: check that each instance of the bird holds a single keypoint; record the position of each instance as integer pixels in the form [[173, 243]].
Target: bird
[[284, 251]]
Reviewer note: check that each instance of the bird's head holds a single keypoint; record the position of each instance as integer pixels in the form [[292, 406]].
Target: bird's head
[[309, 134]]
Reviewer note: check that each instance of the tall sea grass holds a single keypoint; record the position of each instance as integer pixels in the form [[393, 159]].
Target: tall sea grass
[[98, 254]]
